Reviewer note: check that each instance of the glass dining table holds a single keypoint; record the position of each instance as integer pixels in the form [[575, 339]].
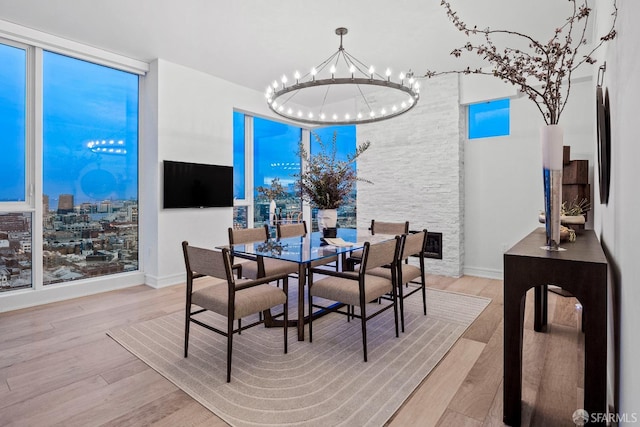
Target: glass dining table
[[302, 250]]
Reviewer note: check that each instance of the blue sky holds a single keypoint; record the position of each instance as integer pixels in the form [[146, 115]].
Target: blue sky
[[12, 123], [85, 102], [82, 102]]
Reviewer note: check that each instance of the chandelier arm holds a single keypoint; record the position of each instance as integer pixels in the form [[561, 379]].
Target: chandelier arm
[[366, 101], [364, 66], [324, 63], [324, 100]]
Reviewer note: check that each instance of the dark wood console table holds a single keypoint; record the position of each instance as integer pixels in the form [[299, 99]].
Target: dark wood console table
[[581, 270]]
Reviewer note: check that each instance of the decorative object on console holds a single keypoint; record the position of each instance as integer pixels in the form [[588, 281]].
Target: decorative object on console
[[326, 182], [342, 90], [543, 73], [604, 137]]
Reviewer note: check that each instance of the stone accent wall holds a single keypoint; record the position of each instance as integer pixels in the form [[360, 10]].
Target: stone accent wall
[[416, 165]]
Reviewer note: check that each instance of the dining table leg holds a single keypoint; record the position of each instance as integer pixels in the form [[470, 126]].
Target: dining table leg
[[302, 278]]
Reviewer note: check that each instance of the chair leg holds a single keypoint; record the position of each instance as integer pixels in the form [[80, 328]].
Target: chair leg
[[229, 347], [395, 311], [187, 323], [310, 304], [424, 296], [401, 298], [286, 323], [363, 321]]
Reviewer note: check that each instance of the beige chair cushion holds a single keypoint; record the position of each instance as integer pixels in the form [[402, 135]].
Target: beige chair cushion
[[346, 290], [271, 267], [248, 301], [409, 272]]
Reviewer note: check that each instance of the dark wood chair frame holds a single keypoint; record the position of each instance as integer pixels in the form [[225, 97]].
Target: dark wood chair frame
[[361, 278], [351, 261], [232, 289]]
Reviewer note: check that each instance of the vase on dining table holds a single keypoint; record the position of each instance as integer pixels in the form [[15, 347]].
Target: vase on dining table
[[551, 139], [272, 213], [327, 219]]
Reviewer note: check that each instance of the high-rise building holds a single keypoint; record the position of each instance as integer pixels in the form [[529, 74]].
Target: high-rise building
[[45, 204], [65, 203]]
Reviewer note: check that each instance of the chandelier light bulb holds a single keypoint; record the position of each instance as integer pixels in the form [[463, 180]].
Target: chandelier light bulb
[[371, 71], [359, 116], [394, 108], [310, 115], [335, 117], [388, 73], [411, 80], [281, 108], [323, 116], [383, 111], [284, 79], [289, 111], [332, 70], [352, 70], [274, 84], [299, 113], [296, 76], [347, 116], [372, 114], [274, 104], [401, 76]]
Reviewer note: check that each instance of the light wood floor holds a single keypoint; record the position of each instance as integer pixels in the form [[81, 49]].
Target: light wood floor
[[58, 367]]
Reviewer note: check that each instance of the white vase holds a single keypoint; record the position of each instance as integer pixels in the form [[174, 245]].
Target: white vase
[[551, 139], [327, 218], [272, 212]]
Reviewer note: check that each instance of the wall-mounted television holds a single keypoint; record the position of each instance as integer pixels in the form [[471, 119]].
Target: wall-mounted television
[[197, 185]]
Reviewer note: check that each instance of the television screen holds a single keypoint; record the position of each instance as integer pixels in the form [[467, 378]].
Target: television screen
[[196, 185]]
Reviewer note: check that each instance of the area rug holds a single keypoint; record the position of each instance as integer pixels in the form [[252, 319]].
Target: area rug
[[324, 383]]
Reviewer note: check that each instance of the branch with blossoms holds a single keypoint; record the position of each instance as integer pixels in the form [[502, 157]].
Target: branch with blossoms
[[549, 64]]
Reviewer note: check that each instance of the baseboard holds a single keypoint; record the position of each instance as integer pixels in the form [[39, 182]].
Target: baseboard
[[15, 300], [487, 273], [163, 282]]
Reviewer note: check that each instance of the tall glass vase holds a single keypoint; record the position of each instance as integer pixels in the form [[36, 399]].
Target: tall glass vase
[[551, 138]]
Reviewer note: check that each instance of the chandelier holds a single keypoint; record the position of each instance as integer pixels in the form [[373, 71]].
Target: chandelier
[[342, 90]]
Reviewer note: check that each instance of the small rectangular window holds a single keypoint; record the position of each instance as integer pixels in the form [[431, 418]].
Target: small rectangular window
[[487, 119]]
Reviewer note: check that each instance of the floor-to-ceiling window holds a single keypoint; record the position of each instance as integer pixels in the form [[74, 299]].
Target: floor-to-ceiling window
[[267, 152], [90, 169], [69, 168], [15, 208]]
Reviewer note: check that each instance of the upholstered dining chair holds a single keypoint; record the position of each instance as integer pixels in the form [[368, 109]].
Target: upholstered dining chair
[[359, 288], [377, 227], [231, 298], [412, 244], [258, 266]]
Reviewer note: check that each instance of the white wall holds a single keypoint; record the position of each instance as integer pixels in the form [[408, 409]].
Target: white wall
[[617, 222], [194, 124], [503, 177], [415, 164]]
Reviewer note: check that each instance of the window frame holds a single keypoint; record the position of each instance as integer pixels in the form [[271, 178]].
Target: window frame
[[35, 42]]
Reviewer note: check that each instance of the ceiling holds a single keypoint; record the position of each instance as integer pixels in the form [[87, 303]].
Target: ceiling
[[253, 42]]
